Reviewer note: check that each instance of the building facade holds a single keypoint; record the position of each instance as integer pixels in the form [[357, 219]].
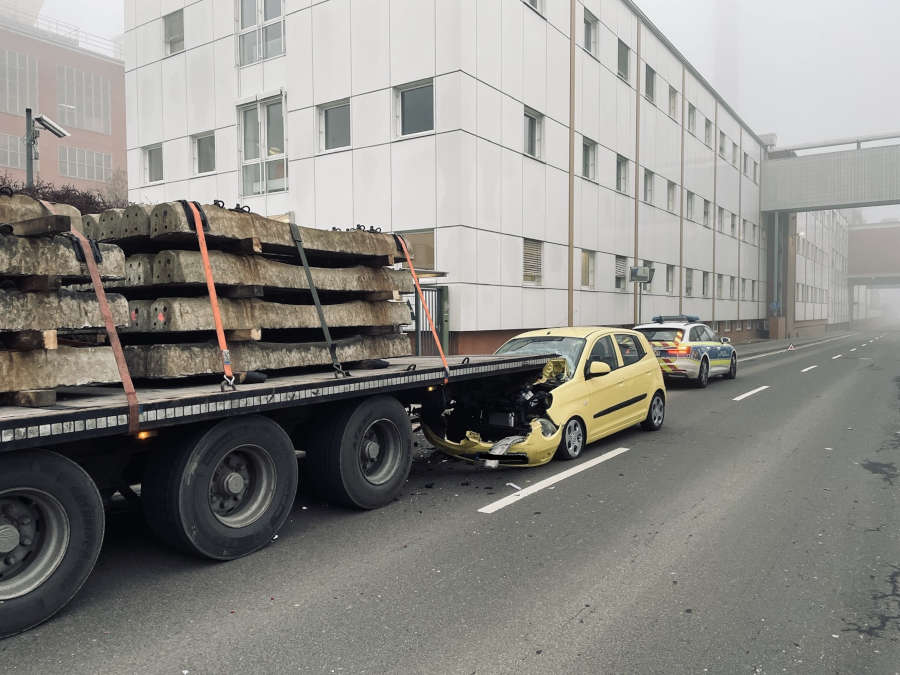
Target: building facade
[[75, 79], [450, 120]]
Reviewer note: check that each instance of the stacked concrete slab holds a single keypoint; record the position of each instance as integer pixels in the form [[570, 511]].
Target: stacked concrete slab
[[265, 299], [50, 335]]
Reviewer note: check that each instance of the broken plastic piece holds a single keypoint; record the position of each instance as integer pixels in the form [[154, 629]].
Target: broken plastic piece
[[501, 447]]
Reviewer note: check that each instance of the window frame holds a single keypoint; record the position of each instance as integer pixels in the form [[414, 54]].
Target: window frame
[[195, 152], [708, 132], [146, 150], [589, 153], [259, 28], [398, 108], [535, 5], [649, 83], [670, 279], [620, 264], [167, 40], [649, 179], [692, 119], [671, 196], [673, 102], [622, 163], [591, 25], [589, 257], [689, 206], [263, 159], [530, 114], [623, 50], [538, 278], [322, 114], [689, 282]]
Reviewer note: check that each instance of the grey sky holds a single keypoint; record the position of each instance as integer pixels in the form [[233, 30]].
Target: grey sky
[[101, 17]]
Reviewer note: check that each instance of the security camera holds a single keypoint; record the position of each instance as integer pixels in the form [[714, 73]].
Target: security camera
[[51, 126]]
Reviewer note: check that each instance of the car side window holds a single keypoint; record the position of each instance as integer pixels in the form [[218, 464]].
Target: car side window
[[696, 334], [603, 351], [708, 335], [631, 349]]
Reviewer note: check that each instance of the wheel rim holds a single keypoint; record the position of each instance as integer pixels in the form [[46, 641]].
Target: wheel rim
[[380, 450], [574, 437], [34, 538], [657, 410], [733, 369], [242, 486]]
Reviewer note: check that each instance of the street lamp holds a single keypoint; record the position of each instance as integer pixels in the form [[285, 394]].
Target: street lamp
[[31, 136]]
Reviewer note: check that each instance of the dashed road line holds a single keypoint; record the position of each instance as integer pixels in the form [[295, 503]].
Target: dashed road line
[[836, 356], [750, 393], [547, 482], [806, 370]]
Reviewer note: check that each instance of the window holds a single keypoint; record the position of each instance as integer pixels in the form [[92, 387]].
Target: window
[[743, 289], [589, 159], [727, 327], [707, 133], [415, 107], [603, 351], [262, 30], [153, 164], [587, 268], [722, 143], [421, 247], [648, 186], [263, 156], [688, 282], [621, 265], [205, 153], [673, 102], [649, 83], [535, 5], [12, 152], [334, 125], [692, 118], [753, 290], [690, 205], [755, 172], [745, 231], [18, 82], [533, 129], [734, 225], [629, 348], [80, 163], [649, 265], [621, 173], [623, 61], [590, 32], [720, 285], [746, 164], [753, 240], [670, 279], [731, 288], [671, 196], [720, 219], [734, 154], [706, 212], [706, 284], [83, 100], [532, 261], [173, 28]]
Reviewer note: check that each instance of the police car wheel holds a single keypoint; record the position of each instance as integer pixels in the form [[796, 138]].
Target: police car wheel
[[703, 374], [732, 369]]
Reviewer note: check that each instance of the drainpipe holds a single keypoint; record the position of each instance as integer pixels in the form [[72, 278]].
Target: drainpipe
[[681, 208], [637, 159], [571, 293], [715, 205]]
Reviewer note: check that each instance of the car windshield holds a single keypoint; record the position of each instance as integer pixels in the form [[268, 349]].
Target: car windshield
[[569, 348], [662, 334]]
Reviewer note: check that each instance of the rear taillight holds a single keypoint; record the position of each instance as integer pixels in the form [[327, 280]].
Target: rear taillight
[[680, 351]]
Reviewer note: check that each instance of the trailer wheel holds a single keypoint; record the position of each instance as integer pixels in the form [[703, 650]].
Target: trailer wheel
[[362, 454], [51, 530], [226, 491]]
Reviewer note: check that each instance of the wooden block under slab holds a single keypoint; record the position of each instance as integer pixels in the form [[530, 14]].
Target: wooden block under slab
[[33, 398], [33, 339]]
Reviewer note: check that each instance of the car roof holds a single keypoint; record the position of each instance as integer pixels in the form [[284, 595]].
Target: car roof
[[680, 325], [572, 331]]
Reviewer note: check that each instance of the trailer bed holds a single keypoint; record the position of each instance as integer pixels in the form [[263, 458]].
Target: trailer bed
[[105, 413]]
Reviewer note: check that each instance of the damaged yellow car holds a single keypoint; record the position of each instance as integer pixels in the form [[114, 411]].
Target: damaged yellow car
[[597, 381]]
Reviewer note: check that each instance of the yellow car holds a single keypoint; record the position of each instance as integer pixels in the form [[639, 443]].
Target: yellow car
[[602, 380]]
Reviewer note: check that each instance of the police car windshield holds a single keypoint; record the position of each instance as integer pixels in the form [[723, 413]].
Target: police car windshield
[[662, 334], [569, 348]]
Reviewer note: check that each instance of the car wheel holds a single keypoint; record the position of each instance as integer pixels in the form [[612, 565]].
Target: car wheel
[[572, 442], [656, 413], [702, 376], [732, 369]]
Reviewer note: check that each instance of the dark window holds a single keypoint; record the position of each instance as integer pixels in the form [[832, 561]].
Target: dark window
[[417, 110], [630, 348], [603, 351], [696, 334]]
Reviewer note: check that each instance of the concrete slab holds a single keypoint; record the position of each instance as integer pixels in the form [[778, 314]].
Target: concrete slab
[[54, 256], [60, 309], [62, 367]]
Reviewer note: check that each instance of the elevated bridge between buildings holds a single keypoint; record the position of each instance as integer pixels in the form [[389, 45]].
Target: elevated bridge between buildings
[[873, 257]]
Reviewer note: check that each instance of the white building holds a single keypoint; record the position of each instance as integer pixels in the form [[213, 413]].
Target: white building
[[451, 118]]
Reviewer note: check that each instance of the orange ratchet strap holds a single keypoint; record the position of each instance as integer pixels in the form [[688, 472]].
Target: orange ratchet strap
[[112, 333], [437, 342], [193, 211]]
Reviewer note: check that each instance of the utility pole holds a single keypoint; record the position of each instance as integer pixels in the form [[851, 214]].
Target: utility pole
[[30, 141]]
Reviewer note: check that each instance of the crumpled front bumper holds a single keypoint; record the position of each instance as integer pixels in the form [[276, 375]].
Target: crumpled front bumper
[[532, 450]]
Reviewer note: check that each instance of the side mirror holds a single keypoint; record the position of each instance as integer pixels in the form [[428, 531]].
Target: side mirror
[[726, 340], [598, 369]]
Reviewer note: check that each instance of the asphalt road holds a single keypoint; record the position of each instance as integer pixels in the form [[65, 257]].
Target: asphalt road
[[756, 535]]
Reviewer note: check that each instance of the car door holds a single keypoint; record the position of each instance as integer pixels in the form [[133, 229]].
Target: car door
[[604, 392], [638, 369], [719, 354]]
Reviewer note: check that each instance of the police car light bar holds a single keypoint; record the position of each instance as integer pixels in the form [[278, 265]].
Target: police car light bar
[[687, 318]]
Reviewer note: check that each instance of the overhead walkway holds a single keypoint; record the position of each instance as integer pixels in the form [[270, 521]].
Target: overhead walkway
[[873, 258]]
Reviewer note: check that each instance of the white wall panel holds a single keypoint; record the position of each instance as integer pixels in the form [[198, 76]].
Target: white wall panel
[[412, 40], [200, 92], [369, 45], [331, 50], [413, 183]]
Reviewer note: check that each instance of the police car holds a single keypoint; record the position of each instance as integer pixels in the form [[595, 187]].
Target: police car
[[688, 349]]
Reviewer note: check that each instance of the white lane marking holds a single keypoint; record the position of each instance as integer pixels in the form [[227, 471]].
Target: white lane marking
[[836, 356], [547, 482], [806, 370], [742, 359], [853, 349], [750, 393]]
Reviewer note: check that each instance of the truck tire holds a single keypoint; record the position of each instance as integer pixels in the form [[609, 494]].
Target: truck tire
[[226, 491], [51, 531], [361, 455]]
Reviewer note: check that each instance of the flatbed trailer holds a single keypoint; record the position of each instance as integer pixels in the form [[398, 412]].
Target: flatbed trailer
[[218, 469]]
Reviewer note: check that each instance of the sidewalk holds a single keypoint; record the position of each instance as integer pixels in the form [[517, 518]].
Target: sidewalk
[[764, 346]]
